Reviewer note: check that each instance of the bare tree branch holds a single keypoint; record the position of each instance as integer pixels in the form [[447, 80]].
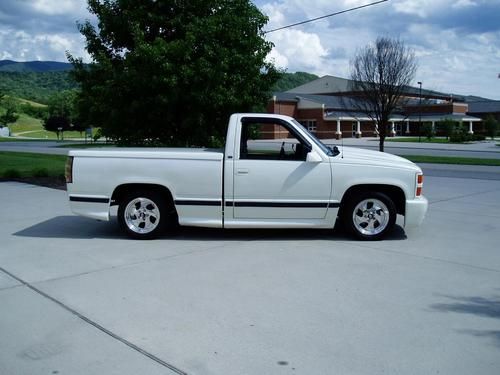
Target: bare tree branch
[[380, 74]]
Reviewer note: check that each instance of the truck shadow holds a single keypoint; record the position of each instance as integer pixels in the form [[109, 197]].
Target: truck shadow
[[75, 227]]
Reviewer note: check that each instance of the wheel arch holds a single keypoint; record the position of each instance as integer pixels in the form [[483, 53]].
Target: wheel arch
[[122, 190], [395, 193]]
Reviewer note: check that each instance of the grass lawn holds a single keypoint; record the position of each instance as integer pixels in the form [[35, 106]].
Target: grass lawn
[[415, 139], [86, 145], [25, 123], [27, 126], [44, 134], [22, 164], [451, 160], [14, 139]]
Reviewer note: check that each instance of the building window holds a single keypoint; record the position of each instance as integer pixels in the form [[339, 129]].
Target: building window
[[309, 125]]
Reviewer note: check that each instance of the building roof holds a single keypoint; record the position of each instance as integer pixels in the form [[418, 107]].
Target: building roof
[[338, 102], [328, 85], [323, 85], [488, 106]]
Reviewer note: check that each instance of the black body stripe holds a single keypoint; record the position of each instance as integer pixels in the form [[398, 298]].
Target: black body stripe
[[184, 202], [89, 199], [283, 204]]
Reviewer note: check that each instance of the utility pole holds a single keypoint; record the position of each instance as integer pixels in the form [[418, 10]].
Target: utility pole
[[419, 109]]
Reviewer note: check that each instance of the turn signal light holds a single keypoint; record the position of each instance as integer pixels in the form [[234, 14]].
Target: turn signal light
[[68, 170], [420, 183]]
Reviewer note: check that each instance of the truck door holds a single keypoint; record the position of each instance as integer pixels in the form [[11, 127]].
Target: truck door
[[272, 179]]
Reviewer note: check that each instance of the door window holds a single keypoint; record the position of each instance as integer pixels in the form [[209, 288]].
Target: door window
[[271, 141]]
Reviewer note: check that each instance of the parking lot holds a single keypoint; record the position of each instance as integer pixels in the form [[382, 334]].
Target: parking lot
[[76, 297]]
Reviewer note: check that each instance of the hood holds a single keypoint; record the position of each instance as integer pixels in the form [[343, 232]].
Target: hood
[[353, 155]]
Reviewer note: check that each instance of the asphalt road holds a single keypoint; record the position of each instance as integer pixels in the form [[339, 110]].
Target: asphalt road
[[485, 150], [78, 298]]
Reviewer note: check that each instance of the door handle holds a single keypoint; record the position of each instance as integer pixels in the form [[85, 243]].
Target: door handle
[[242, 171]]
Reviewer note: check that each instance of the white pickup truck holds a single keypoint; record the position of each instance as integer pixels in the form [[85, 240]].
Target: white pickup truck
[[273, 173]]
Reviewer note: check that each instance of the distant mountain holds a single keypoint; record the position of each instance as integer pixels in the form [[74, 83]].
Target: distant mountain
[[291, 80], [34, 66], [35, 86]]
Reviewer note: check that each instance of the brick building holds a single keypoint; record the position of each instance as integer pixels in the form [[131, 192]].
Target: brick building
[[326, 107]]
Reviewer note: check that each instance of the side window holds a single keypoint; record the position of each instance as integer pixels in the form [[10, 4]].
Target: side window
[[270, 141]]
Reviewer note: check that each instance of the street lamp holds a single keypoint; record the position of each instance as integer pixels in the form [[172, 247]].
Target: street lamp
[[419, 109]]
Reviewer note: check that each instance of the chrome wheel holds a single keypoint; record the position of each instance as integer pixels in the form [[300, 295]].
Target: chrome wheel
[[142, 215], [370, 217]]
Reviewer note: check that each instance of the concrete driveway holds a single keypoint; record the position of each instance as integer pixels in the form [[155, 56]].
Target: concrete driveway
[[78, 298]]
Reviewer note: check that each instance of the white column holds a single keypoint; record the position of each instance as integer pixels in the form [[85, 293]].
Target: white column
[[407, 127], [433, 126], [393, 131], [358, 129], [470, 128], [338, 133]]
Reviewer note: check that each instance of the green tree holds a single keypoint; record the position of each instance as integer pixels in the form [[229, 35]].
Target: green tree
[[447, 126], [171, 71], [10, 115], [491, 126], [428, 131], [380, 74], [62, 114]]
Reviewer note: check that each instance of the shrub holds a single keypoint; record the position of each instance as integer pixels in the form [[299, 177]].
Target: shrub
[[478, 137], [491, 126], [446, 127], [458, 137], [427, 131], [11, 173]]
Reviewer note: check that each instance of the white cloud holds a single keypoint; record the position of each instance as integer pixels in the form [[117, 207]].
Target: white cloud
[[59, 7], [23, 46], [464, 4], [422, 8], [299, 49]]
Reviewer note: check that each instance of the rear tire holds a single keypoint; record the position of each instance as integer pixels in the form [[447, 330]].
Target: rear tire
[[144, 215], [370, 215]]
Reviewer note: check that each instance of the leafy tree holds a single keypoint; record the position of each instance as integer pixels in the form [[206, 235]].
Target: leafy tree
[[447, 126], [380, 73], [62, 114], [491, 126], [10, 116], [170, 71], [428, 131], [39, 112]]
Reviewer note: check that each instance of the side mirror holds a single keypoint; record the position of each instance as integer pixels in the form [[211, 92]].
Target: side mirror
[[313, 157]]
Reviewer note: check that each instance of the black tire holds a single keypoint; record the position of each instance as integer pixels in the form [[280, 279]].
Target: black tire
[[369, 216], [144, 215]]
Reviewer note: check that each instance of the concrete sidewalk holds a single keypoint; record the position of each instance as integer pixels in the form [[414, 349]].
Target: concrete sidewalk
[[76, 297]]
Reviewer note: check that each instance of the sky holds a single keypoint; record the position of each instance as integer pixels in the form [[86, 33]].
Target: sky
[[456, 42]]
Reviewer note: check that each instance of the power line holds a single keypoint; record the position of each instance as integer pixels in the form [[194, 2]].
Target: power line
[[325, 16]]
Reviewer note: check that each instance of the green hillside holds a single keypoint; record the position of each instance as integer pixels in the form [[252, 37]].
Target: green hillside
[[34, 86], [291, 80], [29, 126], [34, 66]]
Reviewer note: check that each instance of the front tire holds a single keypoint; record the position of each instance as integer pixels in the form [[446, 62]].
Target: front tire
[[370, 215], [143, 215]]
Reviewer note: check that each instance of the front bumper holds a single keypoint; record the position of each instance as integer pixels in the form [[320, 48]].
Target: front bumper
[[415, 211]]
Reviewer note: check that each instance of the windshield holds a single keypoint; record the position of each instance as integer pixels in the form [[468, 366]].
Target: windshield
[[327, 150]]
